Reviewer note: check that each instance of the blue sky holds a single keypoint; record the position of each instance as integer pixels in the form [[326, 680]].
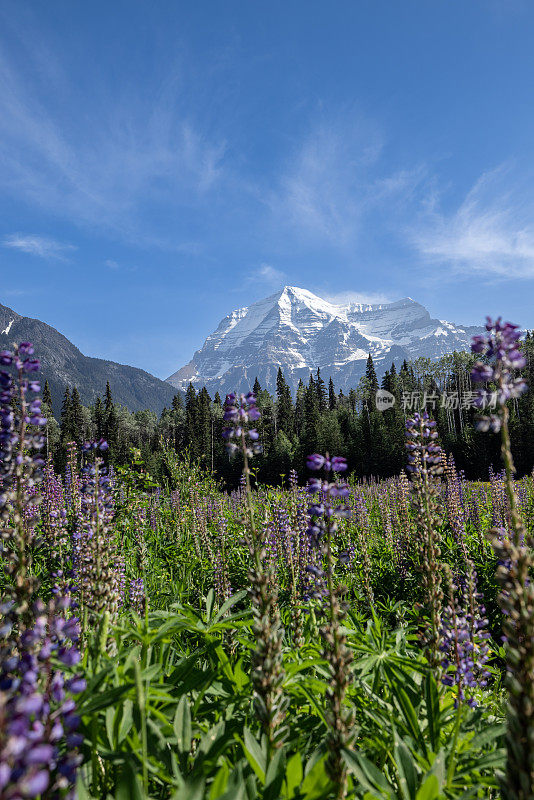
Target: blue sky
[[163, 163]]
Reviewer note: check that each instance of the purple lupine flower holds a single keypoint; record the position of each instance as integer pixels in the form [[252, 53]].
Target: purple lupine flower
[[97, 569], [336, 464], [20, 446], [137, 595], [421, 444], [238, 433], [38, 739], [464, 649], [500, 347], [322, 512]]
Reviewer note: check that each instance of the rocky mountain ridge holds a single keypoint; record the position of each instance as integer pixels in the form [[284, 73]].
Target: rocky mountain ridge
[[64, 365], [300, 332]]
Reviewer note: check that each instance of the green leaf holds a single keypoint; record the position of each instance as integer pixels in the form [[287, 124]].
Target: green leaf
[[406, 768], [368, 775], [294, 774], [316, 784], [81, 789], [193, 789], [210, 600], [209, 740], [274, 776], [220, 782], [410, 717], [432, 710], [254, 754], [110, 719], [229, 603], [104, 699], [126, 720], [182, 725], [429, 789], [129, 786]]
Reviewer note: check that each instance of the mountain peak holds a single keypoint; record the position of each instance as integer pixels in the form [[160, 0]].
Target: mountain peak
[[299, 331]]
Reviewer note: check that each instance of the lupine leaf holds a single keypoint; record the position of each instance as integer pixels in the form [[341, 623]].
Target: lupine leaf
[[182, 725]]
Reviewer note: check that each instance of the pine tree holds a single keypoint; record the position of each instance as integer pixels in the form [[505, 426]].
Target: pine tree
[[177, 402], [284, 405], [352, 401], [370, 375], [78, 432], [111, 422], [217, 399], [310, 435], [67, 427], [332, 399], [299, 408], [256, 388], [108, 399], [320, 388], [203, 424], [99, 418], [47, 395], [191, 419]]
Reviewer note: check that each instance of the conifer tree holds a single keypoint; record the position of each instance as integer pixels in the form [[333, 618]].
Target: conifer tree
[[299, 408], [78, 432], [177, 402], [203, 424], [191, 419], [47, 396], [99, 418], [256, 388], [352, 401], [320, 388], [111, 422], [332, 399], [67, 427], [284, 405], [217, 398], [370, 375]]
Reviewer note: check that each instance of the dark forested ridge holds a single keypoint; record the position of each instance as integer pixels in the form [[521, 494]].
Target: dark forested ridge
[[63, 365], [319, 418]]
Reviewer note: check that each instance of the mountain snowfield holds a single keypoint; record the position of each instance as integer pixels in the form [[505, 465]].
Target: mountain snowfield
[[300, 332]]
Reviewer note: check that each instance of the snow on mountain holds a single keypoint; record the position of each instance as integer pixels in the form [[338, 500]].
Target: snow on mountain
[[298, 331]]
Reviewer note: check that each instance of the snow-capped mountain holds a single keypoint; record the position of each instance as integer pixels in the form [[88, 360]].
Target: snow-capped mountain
[[298, 331]]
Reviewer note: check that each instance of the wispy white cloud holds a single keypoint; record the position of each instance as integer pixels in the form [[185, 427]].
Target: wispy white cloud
[[107, 165], [270, 276], [335, 178], [491, 232], [42, 246], [364, 298]]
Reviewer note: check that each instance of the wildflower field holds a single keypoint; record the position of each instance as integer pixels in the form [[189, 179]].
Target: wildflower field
[[327, 639]]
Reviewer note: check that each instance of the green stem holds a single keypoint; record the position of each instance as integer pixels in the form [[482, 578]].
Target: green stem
[[452, 761]]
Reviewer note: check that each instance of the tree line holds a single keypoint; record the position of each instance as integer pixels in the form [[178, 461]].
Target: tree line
[[318, 418]]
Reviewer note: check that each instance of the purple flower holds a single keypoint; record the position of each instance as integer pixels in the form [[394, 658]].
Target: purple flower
[[315, 461], [239, 413], [499, 347]]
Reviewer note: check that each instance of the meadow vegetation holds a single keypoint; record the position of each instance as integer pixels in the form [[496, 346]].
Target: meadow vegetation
[[329, 637]]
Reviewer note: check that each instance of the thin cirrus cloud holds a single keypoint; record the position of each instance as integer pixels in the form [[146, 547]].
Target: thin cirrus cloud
[[270, 277], [356, 298], [41, 246], [335, 178], [136, 153], [491, 232]]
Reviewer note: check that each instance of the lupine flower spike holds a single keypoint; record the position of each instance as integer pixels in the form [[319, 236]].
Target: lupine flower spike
[[424, 464], [323, 526], [268, 674], [503, 357]]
